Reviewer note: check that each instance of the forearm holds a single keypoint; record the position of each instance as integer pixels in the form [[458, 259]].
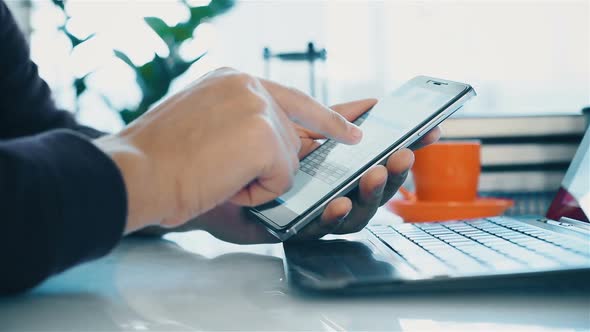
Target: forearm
[[134, 167]]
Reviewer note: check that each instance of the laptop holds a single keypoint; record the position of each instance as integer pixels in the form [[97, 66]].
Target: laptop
[[463, 254]]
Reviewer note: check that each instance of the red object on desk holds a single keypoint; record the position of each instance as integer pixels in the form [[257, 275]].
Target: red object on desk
[[565, 205], [412, 210]]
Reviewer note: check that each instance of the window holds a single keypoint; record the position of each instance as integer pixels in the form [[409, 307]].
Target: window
[[521, 56]]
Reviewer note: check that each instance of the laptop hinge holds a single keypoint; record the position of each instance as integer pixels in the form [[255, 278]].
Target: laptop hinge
[[571, 224], [575, 222]]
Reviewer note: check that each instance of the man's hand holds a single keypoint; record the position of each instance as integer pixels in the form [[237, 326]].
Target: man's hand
[[228, 138], [228, 222]]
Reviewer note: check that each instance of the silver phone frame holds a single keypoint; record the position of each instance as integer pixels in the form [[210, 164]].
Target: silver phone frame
[[299, 225]]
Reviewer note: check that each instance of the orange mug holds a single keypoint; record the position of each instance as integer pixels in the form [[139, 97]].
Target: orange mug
[[447, 171]]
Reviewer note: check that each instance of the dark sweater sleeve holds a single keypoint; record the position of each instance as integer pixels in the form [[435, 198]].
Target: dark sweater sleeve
[[62, 200]]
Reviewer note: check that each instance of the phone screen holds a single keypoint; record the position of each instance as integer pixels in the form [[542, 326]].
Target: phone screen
[[330, 166]]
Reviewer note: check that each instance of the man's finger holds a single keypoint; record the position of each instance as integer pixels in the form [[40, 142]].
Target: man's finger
[[353, 109], [366, 202], [431, 137], [334, 213], [398, 165], [312, 115], [350, 111]]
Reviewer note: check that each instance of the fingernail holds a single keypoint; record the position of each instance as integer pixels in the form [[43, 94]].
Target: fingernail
[[342, 218], [355, 131]]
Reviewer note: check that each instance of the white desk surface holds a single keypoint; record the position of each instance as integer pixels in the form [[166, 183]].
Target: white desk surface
[[194, 282]]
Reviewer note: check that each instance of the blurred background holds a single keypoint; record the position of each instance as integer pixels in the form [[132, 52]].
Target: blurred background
[[529, 61], [523, 57]]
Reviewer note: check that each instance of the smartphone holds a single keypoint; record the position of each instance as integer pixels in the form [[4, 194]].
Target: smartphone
[[333, 169]]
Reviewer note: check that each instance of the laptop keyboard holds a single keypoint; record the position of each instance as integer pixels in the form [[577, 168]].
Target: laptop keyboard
[[475, 246]]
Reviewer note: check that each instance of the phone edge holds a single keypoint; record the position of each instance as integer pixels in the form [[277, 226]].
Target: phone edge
[[295, 228]]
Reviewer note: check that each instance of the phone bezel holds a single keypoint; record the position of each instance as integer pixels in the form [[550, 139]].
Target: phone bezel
[[460, 92]]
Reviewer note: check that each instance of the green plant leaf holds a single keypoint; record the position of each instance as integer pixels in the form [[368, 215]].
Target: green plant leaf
[[218, 7], [182, 31], [124, 58], [161, 29], [80, 85], [198, 14], [179, 66], [60, 3], [75, 41], [155, 79], [128, 116]]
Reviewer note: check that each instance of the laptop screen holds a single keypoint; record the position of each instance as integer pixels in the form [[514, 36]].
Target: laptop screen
[[573, 198]]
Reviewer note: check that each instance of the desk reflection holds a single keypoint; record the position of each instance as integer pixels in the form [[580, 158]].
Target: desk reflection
[[157, 285]]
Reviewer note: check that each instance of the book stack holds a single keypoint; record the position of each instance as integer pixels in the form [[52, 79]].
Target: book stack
[[523, 157]]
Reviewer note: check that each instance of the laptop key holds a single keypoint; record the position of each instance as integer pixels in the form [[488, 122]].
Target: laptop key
[[484, 254], [417, 257], [420, 237], [467, 245], [501, 244], [505, 265], [563, 256]]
